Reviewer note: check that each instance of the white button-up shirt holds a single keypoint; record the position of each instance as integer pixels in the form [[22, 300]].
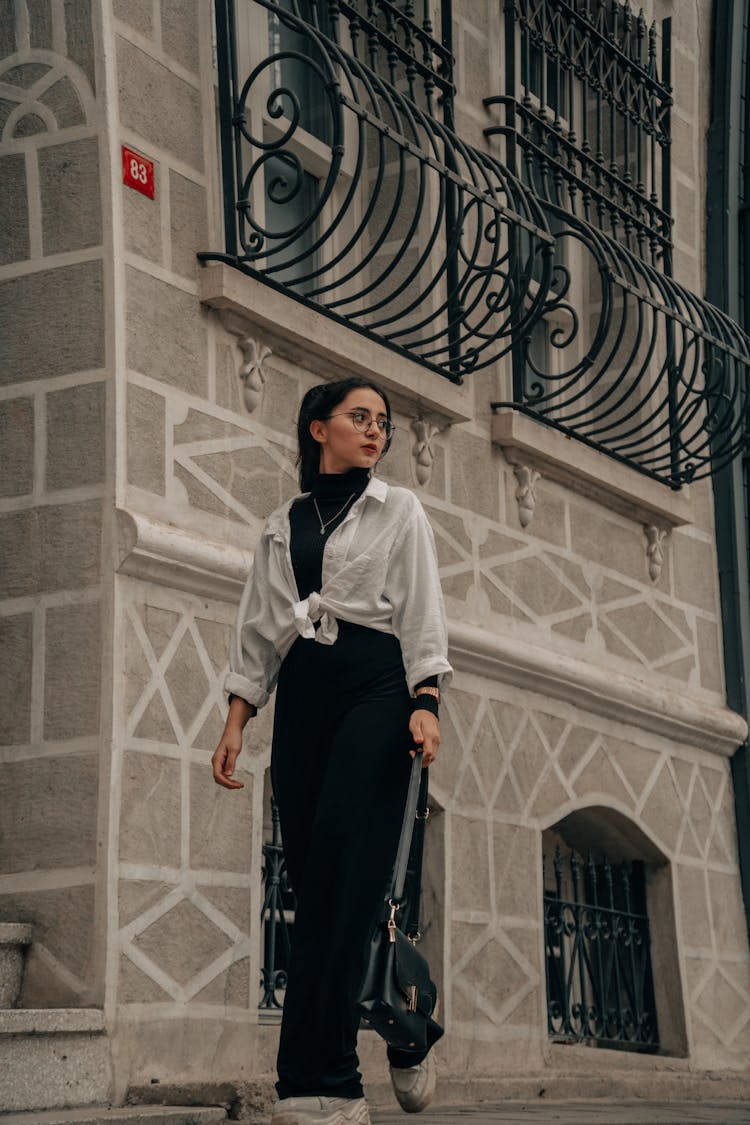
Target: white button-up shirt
[[379, 570]]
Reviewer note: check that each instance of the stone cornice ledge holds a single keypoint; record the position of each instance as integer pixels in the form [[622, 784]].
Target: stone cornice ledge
[[184, 560], [525, 441], [602, 691], [324, 345]]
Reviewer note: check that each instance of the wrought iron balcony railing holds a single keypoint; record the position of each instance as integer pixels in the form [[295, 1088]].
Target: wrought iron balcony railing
[[599, 980], [347, 188], [361, 200], [630, 362]]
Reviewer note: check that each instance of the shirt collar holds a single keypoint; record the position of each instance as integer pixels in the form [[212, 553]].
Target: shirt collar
[[377, 488], [278, 521]]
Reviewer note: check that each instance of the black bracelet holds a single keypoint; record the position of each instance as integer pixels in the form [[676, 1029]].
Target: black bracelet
[[426, 702]]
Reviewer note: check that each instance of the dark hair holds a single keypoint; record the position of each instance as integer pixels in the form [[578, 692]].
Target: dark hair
[[317, 405]]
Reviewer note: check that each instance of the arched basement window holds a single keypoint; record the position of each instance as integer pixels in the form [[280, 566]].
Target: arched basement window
[[611, 959]]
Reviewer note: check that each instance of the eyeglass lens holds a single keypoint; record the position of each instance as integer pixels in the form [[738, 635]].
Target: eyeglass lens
[[362, 420]]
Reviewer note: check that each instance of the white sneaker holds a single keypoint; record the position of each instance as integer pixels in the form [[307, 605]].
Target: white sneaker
[[320, 1111], [414, 1086]]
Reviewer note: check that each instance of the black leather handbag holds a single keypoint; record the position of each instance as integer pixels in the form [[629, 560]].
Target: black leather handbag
[[398, 996]]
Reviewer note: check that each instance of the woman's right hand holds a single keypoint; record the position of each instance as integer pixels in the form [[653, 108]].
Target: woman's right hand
[[226, 753], [225, 757]]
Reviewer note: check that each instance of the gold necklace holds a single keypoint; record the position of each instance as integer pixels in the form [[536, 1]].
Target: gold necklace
[[323, 526]]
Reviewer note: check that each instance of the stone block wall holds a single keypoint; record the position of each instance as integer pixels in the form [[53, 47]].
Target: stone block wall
[[185, 936], [514, 763], [203, 415], [54, 392], [188, 893], [210, 449]]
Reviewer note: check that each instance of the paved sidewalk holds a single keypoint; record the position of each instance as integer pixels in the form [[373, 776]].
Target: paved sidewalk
[[579, 1113]]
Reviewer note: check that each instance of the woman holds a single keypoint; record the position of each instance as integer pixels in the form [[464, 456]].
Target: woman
[[343, 613]]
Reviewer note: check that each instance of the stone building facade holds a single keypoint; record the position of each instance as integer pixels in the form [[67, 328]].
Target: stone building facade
[[147, 407]]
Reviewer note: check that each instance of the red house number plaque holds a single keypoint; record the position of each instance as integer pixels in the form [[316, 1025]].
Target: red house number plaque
[[137, 172]]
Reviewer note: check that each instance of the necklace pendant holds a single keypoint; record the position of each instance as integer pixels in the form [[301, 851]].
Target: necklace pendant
[[323, 526]]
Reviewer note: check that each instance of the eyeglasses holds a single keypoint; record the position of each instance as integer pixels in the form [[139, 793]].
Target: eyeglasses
[[362, 420]]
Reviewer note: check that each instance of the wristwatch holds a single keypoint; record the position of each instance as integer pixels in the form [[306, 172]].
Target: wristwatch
[[433, 691]]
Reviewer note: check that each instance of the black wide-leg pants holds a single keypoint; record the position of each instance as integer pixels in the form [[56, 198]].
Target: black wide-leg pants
[[340, 769]]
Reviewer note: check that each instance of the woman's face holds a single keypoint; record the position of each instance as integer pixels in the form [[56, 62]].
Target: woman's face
[[342, 447]]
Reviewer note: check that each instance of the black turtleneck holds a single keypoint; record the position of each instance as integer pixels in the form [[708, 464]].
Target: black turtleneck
[[334, 493]]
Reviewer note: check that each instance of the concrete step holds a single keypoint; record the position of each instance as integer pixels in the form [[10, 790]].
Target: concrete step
[[15, 937], [53, 1057], [125, 1115]]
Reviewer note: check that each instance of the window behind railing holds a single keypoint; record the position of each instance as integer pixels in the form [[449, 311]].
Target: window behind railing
[[301, 171], [585, 122], [586, 115], [345, 185]]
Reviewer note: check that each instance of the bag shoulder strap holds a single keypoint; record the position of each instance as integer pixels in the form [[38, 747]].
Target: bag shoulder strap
[[416, 798], [410, 922]]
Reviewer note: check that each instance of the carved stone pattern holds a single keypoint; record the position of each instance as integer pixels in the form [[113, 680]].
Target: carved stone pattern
[[229, 468], [501, 573], [511, 764], [525, 494], [43, 85], [189, 861], [654, 550], [422, 451], [252, 372]]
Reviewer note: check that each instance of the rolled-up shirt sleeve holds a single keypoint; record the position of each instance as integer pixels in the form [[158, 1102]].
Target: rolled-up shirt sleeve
[[253, 660], [413, 590]]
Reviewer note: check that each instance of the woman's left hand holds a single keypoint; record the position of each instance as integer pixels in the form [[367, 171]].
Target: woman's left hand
[[425, 730]]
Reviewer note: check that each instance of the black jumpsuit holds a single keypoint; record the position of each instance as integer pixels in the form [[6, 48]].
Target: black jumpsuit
[[340, 768]]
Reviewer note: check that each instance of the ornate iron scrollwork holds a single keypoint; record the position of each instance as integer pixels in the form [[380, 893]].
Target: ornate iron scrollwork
[[360, 199], [655, 377], [278, 904], [408, 234], [598, 961]]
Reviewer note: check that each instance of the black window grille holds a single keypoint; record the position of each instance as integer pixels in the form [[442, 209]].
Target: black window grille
[[598, 955], [587, 115], [276, 919], [360, 199], [369, 206]]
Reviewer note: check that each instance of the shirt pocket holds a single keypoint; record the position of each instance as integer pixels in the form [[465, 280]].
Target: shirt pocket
[[377, 539], [355, 578]]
